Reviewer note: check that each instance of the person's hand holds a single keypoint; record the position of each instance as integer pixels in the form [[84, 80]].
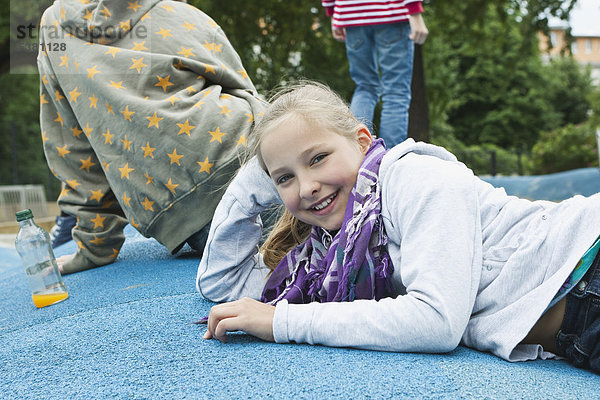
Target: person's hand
[[338, 33], [417, 26], [248, 315], [62, 260]]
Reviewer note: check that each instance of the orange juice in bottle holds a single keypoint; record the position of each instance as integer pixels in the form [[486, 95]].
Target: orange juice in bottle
[[33, 245]]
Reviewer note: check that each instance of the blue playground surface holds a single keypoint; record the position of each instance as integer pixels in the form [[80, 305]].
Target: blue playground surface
[[126, 332]]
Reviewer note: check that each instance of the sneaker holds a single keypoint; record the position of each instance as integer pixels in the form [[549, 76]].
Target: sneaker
[[61, 231]]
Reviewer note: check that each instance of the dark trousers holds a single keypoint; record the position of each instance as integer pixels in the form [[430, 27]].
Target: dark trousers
[[579, 337]]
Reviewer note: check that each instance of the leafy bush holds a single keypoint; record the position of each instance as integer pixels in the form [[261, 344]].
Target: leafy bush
[[565, 148]]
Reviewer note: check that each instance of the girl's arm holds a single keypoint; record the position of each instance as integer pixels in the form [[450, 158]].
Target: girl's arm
[[434, 216], [231, 267]]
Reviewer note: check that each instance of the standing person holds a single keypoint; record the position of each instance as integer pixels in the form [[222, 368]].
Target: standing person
[[145, 106], [380, 40], [401, 250]]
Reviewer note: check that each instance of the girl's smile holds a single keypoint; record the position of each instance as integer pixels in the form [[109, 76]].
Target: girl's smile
[[314, 169]]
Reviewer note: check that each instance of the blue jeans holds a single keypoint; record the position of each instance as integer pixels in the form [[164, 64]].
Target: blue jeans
[[381, 63], [579, 337]]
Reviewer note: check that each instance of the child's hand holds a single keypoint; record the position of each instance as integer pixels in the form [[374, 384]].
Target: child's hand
[[246, 315], [418, 28], [339, 34]]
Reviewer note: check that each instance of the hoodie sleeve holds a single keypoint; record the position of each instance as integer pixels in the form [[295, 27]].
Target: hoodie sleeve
[[231, 267]]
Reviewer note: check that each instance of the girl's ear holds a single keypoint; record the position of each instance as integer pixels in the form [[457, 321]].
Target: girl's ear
[[364, 138]]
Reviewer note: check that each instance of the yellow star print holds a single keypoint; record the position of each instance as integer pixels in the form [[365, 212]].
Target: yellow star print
[[134, 224], [93, 101], [97, 241], [58, 96], [76, 64], [224, 110], [173, 99], [64, 61], [138, 64], [164, 82], [209, 46], [105, 165], [43, 99], [148, 151], [242, 140], [179, 65], [98, 221], [217, 135], [88, 15], [199, 105], [92, 72], [76, 131], [105, 12], [205, 166], [164, 33], [125, 170], [44, 137], [62, 151], [80, 244], [209, 68], [87, 163], [116, 85], [109, 109], [115, 252], [74, 94], [190, 89], [133, 5], [125, 25], [45, 79], [149, 179], [88, 130], [243, 73], [250, 117], [154, 120], [139, 46], [167, 7], [186, 52], [127, 114], [185, 128], [107, 136], [189, 26], [126, 143], [96, 195], [147, 204], [113, 51], [126, 200], [64, 192], [73, 183], [171, 186], [175, 157], [59, 118]]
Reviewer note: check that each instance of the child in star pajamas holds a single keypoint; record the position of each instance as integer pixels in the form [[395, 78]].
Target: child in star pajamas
[[145, 107]]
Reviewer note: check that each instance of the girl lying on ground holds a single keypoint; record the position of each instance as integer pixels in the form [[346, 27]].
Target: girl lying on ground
[[398, 250]]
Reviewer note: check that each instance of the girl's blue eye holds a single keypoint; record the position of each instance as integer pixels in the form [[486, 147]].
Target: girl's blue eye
[[318, 158], [283, 179]]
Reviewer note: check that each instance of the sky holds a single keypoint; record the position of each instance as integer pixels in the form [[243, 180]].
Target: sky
[[585, 18]]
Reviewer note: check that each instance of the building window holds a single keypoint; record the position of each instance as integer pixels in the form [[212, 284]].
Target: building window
[[574, 48], [588, 46]]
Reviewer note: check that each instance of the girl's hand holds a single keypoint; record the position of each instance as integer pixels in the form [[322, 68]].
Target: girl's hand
[[246, 315], [418, 28], [62, 260]]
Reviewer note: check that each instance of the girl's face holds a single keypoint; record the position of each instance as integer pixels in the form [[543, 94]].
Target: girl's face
[[314, 169]]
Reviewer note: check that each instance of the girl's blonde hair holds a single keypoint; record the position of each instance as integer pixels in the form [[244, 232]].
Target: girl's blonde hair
[[319, 106]]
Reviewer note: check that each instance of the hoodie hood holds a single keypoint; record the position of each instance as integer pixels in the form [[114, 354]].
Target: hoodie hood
[[102, 21]]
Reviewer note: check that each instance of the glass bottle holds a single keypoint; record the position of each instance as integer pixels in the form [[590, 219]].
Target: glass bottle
[[33, 245]]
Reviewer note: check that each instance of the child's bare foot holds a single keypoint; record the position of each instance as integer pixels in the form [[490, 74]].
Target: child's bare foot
[[62, 260]]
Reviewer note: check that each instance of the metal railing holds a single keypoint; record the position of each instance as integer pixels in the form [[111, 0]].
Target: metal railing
[[14, 198]]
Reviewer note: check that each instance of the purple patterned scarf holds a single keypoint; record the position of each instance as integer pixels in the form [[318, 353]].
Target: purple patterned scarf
[[352, 265]]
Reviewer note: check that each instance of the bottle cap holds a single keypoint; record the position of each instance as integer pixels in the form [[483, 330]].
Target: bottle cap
[[24, 214]]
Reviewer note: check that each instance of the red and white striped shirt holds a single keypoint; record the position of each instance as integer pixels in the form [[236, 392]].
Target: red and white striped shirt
[[347, 13]]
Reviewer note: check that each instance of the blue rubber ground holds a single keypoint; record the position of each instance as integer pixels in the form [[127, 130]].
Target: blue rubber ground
[[126, 332]]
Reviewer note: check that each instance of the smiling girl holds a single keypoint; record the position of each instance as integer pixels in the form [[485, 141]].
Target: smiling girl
[[399, 250]]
